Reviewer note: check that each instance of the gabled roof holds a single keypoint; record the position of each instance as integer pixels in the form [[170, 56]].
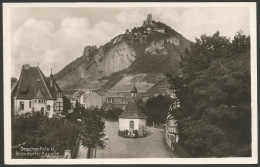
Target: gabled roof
[[162, 87], [91, 94], [13, 86], [134, 89], [39, 95], [132, 111], [31, 80]]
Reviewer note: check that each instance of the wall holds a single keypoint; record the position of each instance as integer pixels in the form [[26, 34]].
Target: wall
[[94, 100], [59, 100], [124, 124], [51, 103], [26, 106], [37, 106], [138, 124]]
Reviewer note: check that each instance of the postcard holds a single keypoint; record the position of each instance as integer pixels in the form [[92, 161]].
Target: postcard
[[130, 83]]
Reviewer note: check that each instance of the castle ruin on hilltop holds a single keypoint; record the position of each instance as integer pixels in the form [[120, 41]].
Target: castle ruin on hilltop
[[151, 26], [149, 21]]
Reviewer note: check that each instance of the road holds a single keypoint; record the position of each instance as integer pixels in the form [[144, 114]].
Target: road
[[150, 146]]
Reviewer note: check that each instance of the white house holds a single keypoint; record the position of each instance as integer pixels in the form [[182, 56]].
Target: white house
[[171, 132], [171, 128], [90, 99], [35, 92], [132, 122]]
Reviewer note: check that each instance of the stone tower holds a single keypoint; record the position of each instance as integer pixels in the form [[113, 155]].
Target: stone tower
[[150, 19]]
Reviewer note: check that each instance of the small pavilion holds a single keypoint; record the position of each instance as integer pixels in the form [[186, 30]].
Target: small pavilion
[[132, 122]]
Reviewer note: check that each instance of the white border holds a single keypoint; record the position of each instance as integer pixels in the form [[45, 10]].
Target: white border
[[7, 88]]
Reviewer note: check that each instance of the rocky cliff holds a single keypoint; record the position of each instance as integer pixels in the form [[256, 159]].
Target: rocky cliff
[[138, 51]]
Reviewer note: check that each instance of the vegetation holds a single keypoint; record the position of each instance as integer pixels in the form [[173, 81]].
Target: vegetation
[[66, 105], [37, 130], [214, 91], [93, 134], [112, 114], [92, 125], [156, 108]]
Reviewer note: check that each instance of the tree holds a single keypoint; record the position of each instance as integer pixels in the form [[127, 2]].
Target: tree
[[157, 108], [66, 104], [215, 97], [37, 130], [240, 43], [93, 125], [62, 134], [112, 114], [77, 112]]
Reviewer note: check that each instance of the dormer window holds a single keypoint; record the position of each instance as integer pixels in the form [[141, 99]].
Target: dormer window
[[124, 100], [59, 94]]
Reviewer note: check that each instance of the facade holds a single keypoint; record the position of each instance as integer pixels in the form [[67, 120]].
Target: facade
[[132, 122], [171, 132], [91, 99], [35, 92], [76, 97], [110, 102], [160, 30]]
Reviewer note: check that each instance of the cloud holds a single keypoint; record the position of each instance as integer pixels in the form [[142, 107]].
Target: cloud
[[37, 42], [56, 45]]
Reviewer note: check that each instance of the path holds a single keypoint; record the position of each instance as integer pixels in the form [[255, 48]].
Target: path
[[150, 146]]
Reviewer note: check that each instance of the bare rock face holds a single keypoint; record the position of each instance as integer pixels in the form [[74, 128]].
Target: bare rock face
[[154, 46], [173, 41], [89, 52], [125, 54], [118, 58]]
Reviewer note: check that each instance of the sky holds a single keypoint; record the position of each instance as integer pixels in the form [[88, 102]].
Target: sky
[[53, 37]]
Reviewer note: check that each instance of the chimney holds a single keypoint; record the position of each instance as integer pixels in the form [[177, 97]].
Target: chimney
[[26, 66], [51, 80]]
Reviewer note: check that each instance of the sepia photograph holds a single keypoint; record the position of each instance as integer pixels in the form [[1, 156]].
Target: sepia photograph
[[130, 83]]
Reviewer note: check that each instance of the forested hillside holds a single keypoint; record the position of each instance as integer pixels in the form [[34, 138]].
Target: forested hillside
[[214, 119]]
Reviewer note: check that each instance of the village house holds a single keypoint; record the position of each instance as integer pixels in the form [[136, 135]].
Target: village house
[[171, 131], [115, 100], [13, 90], [160, 88], [76, 97], [160, 30], [132, 122], [90, 99], [35, 92]]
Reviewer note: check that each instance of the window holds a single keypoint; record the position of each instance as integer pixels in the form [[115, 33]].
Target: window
[[30, 104], [59, 106], [131, 125], [21, 105], [124, 100], [110, 100], [48, 107], [59, 94]]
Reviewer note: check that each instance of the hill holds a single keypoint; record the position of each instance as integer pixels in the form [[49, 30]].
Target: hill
[[151, 48]]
